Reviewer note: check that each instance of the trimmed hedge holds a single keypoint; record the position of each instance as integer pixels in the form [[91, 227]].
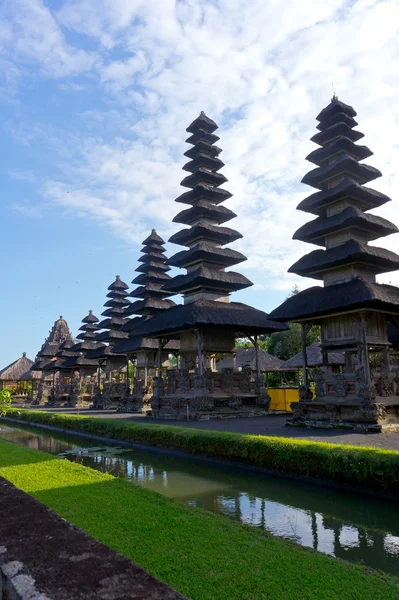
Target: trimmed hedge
[[354, 465]]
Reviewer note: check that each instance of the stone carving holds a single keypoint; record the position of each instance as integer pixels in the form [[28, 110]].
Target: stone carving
[[305, 394], [340, 385], [149, 388], [371, 412], [138, 386], [184, 380], [332, 412], [208, 380], [263, 401], [171, 381], [299, 411], [318, 377], [227, 380], [198, 381], [235, 402], [384, 386], [201, 403], [246, 375]]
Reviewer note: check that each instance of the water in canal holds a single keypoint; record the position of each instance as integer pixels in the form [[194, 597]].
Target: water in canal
[[343, 524]]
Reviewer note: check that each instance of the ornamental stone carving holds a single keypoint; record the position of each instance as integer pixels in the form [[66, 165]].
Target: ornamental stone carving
[[227, 380], [235, 402], [201, 403], [184, 380], [384, 386], [263, 401], [246, 374], [171, 377], [138, 386], [340, 385], [318, 377], [208, 380], [332, 412], [305, 394]]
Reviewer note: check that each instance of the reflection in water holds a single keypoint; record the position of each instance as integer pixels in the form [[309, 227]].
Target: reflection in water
[[342, 524]]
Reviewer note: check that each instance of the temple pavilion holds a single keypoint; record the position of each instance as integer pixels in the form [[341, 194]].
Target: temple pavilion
[[57, 335], [112, 389], [152, 298], [18, 375], [208, 323], [350, 306]]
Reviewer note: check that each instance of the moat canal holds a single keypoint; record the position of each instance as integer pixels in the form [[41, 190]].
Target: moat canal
[[347, 525]]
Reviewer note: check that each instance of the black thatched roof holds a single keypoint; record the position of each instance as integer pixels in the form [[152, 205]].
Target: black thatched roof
[[103, 353], [317, 262], [86, 345], [339, 298], [15, 370], [203, 159], [314, 358], [152, 276], [365, 198], [205, 231], [335, 107], [118, 285], [139, 343], [204, 209], [338, 117], [80, 361], [349, 218], [149, 305], [247, 356], [206, 252], [340, 144], [202, 122], [201, 135], [153, 239], [203, 175], [206, 192], [90, 318], [209, 279], [340, 129], [343, 165], [202, 314]]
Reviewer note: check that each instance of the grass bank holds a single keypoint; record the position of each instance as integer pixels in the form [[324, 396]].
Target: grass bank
[[204, 556], [354, 465]]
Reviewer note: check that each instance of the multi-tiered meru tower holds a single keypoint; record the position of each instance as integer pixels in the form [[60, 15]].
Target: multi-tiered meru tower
[[351, 307], [207, 323], [152, 298]]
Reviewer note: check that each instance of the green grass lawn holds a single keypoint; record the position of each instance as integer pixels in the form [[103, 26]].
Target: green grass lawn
[[202, 555]]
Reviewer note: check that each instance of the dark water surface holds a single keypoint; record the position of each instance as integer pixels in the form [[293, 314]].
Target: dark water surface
[[343, 524]]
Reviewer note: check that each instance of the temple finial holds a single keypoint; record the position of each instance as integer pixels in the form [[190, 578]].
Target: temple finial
[[335, 97]]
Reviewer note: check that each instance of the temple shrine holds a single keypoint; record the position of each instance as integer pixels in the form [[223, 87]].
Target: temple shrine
[[152, 298], [351, 308], [208, 323], [58, 334], [112, 388]]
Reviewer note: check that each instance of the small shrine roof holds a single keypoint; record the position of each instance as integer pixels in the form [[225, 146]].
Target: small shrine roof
[[203, 251], [205, 231], [247, 356], [335, 106], [203, 191], [16, 369], [314, 358], [202, 122], [204, 208], [137, 343]]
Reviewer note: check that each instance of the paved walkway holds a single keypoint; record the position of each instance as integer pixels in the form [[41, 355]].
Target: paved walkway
[[272, 425]]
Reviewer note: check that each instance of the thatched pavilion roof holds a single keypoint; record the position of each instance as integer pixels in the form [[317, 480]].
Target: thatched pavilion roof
[[233, 316], [17, 369], [314, 358], [247, 356]]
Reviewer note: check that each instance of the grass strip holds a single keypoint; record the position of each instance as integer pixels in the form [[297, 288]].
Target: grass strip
[[202, 555], [354, 465]]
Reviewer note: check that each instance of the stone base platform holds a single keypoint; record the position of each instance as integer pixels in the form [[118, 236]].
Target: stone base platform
[[380, 414]]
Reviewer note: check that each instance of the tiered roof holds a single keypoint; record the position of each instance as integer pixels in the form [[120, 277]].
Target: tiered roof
[[115, 319], [64, 354], [153, 274], [207, 285], [88, 343], [57, 335], [205, 259], [348, 265]]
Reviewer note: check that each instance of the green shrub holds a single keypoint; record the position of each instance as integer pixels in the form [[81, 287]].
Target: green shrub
[[355, 465], [5, 400]]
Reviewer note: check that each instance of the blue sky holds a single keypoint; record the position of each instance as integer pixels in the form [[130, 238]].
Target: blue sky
[[95, 97]]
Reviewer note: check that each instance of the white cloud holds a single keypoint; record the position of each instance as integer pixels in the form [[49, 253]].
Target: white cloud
[[262, 70]]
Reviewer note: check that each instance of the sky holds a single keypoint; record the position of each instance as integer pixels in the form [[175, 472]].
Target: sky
[[95, 97]]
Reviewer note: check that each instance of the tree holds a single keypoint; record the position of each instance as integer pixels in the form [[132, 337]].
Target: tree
[[5, 401], [285, 344]]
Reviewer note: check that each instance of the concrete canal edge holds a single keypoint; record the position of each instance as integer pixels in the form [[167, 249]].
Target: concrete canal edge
[[203, 459], [43, 557]]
